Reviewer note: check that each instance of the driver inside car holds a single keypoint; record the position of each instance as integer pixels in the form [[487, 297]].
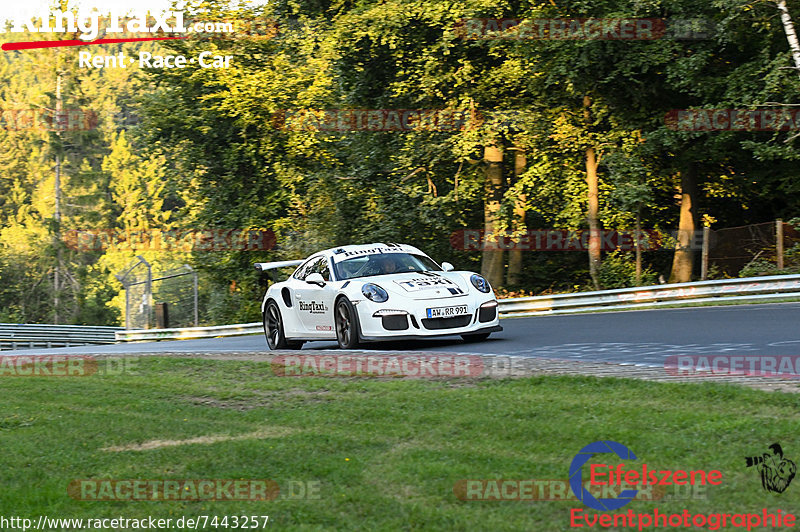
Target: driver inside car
[[381, 265], [390, 265]]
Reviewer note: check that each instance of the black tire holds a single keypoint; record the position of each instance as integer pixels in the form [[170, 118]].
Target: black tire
[[273, 329], [345, 321], [469, 338]]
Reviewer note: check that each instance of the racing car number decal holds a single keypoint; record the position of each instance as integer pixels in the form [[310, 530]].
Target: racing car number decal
[[446, 312]]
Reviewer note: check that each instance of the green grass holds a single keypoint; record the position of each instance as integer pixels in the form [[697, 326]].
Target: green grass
[[386, 452]]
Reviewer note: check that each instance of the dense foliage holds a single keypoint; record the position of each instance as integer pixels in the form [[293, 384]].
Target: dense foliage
[[247, 146]]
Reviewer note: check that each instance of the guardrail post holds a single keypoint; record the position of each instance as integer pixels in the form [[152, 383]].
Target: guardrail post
[[162, 316], [194, 289], [127, 307], [148, 292]]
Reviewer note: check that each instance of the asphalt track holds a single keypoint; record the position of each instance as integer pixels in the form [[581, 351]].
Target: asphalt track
[[642, 337]]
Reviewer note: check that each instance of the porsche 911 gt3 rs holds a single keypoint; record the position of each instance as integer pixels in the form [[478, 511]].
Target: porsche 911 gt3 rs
[[354, 294]]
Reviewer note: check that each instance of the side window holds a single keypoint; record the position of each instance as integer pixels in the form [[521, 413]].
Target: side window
[[315, 265], [321, 267], [303, 271]]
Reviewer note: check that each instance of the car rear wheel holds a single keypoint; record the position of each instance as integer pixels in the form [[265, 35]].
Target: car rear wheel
[[273, 329], [347, 329], [469, 338]]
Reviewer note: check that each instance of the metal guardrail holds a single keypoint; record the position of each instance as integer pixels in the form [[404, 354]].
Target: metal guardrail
[[189, 333], [750, 289], [14, 336]]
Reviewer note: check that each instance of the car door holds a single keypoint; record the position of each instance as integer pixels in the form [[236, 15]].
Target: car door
[[315, 303]]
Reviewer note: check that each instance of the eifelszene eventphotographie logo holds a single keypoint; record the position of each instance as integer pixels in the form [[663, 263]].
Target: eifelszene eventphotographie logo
[[775, 470], [576, 476]]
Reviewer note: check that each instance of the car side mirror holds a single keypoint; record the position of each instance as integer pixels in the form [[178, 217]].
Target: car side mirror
[[315, 278], [446, 266]]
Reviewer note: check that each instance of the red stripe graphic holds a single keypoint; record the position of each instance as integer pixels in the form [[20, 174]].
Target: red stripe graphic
[[31, 45]]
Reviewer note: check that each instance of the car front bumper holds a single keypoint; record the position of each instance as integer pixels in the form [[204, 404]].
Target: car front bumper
[[493, 328], [378, 321]]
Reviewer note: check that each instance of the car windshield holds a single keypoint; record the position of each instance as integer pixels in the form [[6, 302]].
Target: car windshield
[[383, 264]]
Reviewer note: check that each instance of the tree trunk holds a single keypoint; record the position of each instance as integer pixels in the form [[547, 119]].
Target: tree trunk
[[791, 35], [57, 211], [683, 259], [593, 207], [514, 275], [492, 264], [639, 246]]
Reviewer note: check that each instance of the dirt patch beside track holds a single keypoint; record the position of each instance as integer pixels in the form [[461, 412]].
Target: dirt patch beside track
[[504, 366]]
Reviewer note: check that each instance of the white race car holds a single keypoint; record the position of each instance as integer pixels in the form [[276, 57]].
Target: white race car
[[370, 292]]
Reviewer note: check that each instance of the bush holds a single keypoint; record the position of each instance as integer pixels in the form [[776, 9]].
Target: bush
[[759, 267], [791, 262], [618, 270], [504, 293]]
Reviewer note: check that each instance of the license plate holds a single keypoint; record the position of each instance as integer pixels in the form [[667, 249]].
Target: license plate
[[447, 312]]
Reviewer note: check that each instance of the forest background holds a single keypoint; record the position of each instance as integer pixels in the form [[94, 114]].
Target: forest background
[[566, 133]]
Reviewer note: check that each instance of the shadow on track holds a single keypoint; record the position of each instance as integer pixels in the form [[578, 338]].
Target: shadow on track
[[454, 343]]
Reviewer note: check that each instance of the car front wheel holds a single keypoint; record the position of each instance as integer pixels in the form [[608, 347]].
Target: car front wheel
[[347, 328]]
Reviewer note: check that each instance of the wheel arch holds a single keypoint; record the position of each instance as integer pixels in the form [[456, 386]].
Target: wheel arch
[[340, 296], [266, 302]]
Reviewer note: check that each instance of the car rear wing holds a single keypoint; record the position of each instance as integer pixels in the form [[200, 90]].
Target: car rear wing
[[264, 266]]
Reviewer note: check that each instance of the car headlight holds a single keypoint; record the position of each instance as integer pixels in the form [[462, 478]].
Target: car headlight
[[374, 293], [480, 283]]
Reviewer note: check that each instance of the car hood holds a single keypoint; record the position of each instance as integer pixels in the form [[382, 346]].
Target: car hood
[[428, 285]]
